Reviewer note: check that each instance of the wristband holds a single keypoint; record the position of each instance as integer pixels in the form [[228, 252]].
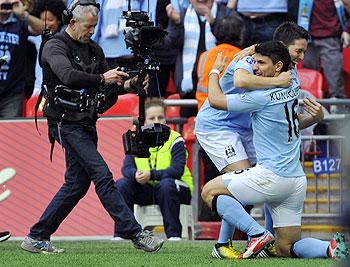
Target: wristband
[[216, 71]]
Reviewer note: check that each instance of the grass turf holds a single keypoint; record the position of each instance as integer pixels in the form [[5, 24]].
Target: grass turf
[[109, 253]]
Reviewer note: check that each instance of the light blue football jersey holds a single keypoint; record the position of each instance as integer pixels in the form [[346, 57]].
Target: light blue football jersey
[[213, 120], [276, 134]]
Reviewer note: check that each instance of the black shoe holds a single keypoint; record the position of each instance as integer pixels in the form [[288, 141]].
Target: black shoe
[[4, 236], [146, 241]]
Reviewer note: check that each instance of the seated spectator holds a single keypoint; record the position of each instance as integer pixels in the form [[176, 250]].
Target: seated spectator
[[16, 24], [50, 13], [162, 179]]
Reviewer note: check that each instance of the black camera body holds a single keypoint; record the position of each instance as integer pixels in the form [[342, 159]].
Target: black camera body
[[138, 142], [141, 37]]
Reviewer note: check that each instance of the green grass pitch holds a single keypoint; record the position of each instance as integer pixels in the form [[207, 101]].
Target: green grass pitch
[[111, 253]]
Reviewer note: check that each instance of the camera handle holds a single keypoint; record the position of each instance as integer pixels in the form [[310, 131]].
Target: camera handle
[[142, 98]]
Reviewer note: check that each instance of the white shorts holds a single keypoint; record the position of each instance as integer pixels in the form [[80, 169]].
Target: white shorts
[[284, 195], [225, 148]]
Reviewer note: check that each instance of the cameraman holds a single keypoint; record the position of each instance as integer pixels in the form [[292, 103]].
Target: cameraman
[[162, 179], [16, 24], [71, 59]]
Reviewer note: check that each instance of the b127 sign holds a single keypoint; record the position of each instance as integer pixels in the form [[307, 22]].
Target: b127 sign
[[326, 165]]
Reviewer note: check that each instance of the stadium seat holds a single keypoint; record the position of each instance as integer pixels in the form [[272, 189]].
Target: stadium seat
[[171, 86], [150, 215], [311, 81], [30, 107], [172, 111], [189, 135], [127, 105]]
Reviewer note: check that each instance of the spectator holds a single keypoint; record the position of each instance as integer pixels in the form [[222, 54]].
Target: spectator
[[162, 179], [50, 13], [261, 18], [16, 24], [163, 16], [325, 49], [229, 36], [109, 31], [199, 21]]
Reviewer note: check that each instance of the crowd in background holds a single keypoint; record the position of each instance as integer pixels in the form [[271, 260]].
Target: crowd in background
[[191, 31]]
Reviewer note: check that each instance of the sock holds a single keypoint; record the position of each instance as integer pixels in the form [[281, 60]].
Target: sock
[[233, 212], [268, 220], [226, 232], [309, 248]]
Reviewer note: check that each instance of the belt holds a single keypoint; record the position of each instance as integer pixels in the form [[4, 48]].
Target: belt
[[267, 18]]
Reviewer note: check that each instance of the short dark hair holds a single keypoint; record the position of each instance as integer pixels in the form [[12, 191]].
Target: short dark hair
[[55, 6], [289, 31], [229, 30], [275, 50]]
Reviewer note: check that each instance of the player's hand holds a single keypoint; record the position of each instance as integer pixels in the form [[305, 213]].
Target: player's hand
[[173, 14], [314, 108], [142, 177], [345, 38], [285, 78], [220, 62], [115, 76], [249, 51]]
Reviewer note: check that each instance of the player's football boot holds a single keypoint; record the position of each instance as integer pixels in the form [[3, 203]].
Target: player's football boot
[[268, 252], [257, 244], [225, 251], [337, 249]]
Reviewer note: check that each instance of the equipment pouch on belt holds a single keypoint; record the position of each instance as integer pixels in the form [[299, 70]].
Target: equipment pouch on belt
[[72, 99]]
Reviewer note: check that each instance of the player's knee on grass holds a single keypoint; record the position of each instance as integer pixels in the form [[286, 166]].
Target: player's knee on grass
[[283, 249]]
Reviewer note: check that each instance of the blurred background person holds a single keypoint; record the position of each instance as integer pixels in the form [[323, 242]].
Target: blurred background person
[[50, 13], [326, 24], [16, 24]]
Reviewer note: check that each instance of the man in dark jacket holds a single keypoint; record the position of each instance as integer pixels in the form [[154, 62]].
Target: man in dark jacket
[[72, 60]]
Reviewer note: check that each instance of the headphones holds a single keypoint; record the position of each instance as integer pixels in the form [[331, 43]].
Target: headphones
[[67, 14]]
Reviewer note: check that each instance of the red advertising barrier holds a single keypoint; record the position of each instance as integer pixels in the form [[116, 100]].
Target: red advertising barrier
[[37, 179]]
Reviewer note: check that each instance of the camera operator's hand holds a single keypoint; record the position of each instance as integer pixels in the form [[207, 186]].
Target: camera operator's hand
[[142, 177], [129, 85], [114, 76], [173, 14]]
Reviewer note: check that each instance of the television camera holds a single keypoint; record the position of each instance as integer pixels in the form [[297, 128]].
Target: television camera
[[141, 36]]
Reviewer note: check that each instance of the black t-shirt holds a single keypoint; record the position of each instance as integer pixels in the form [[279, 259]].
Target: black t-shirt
[[13, 35]]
